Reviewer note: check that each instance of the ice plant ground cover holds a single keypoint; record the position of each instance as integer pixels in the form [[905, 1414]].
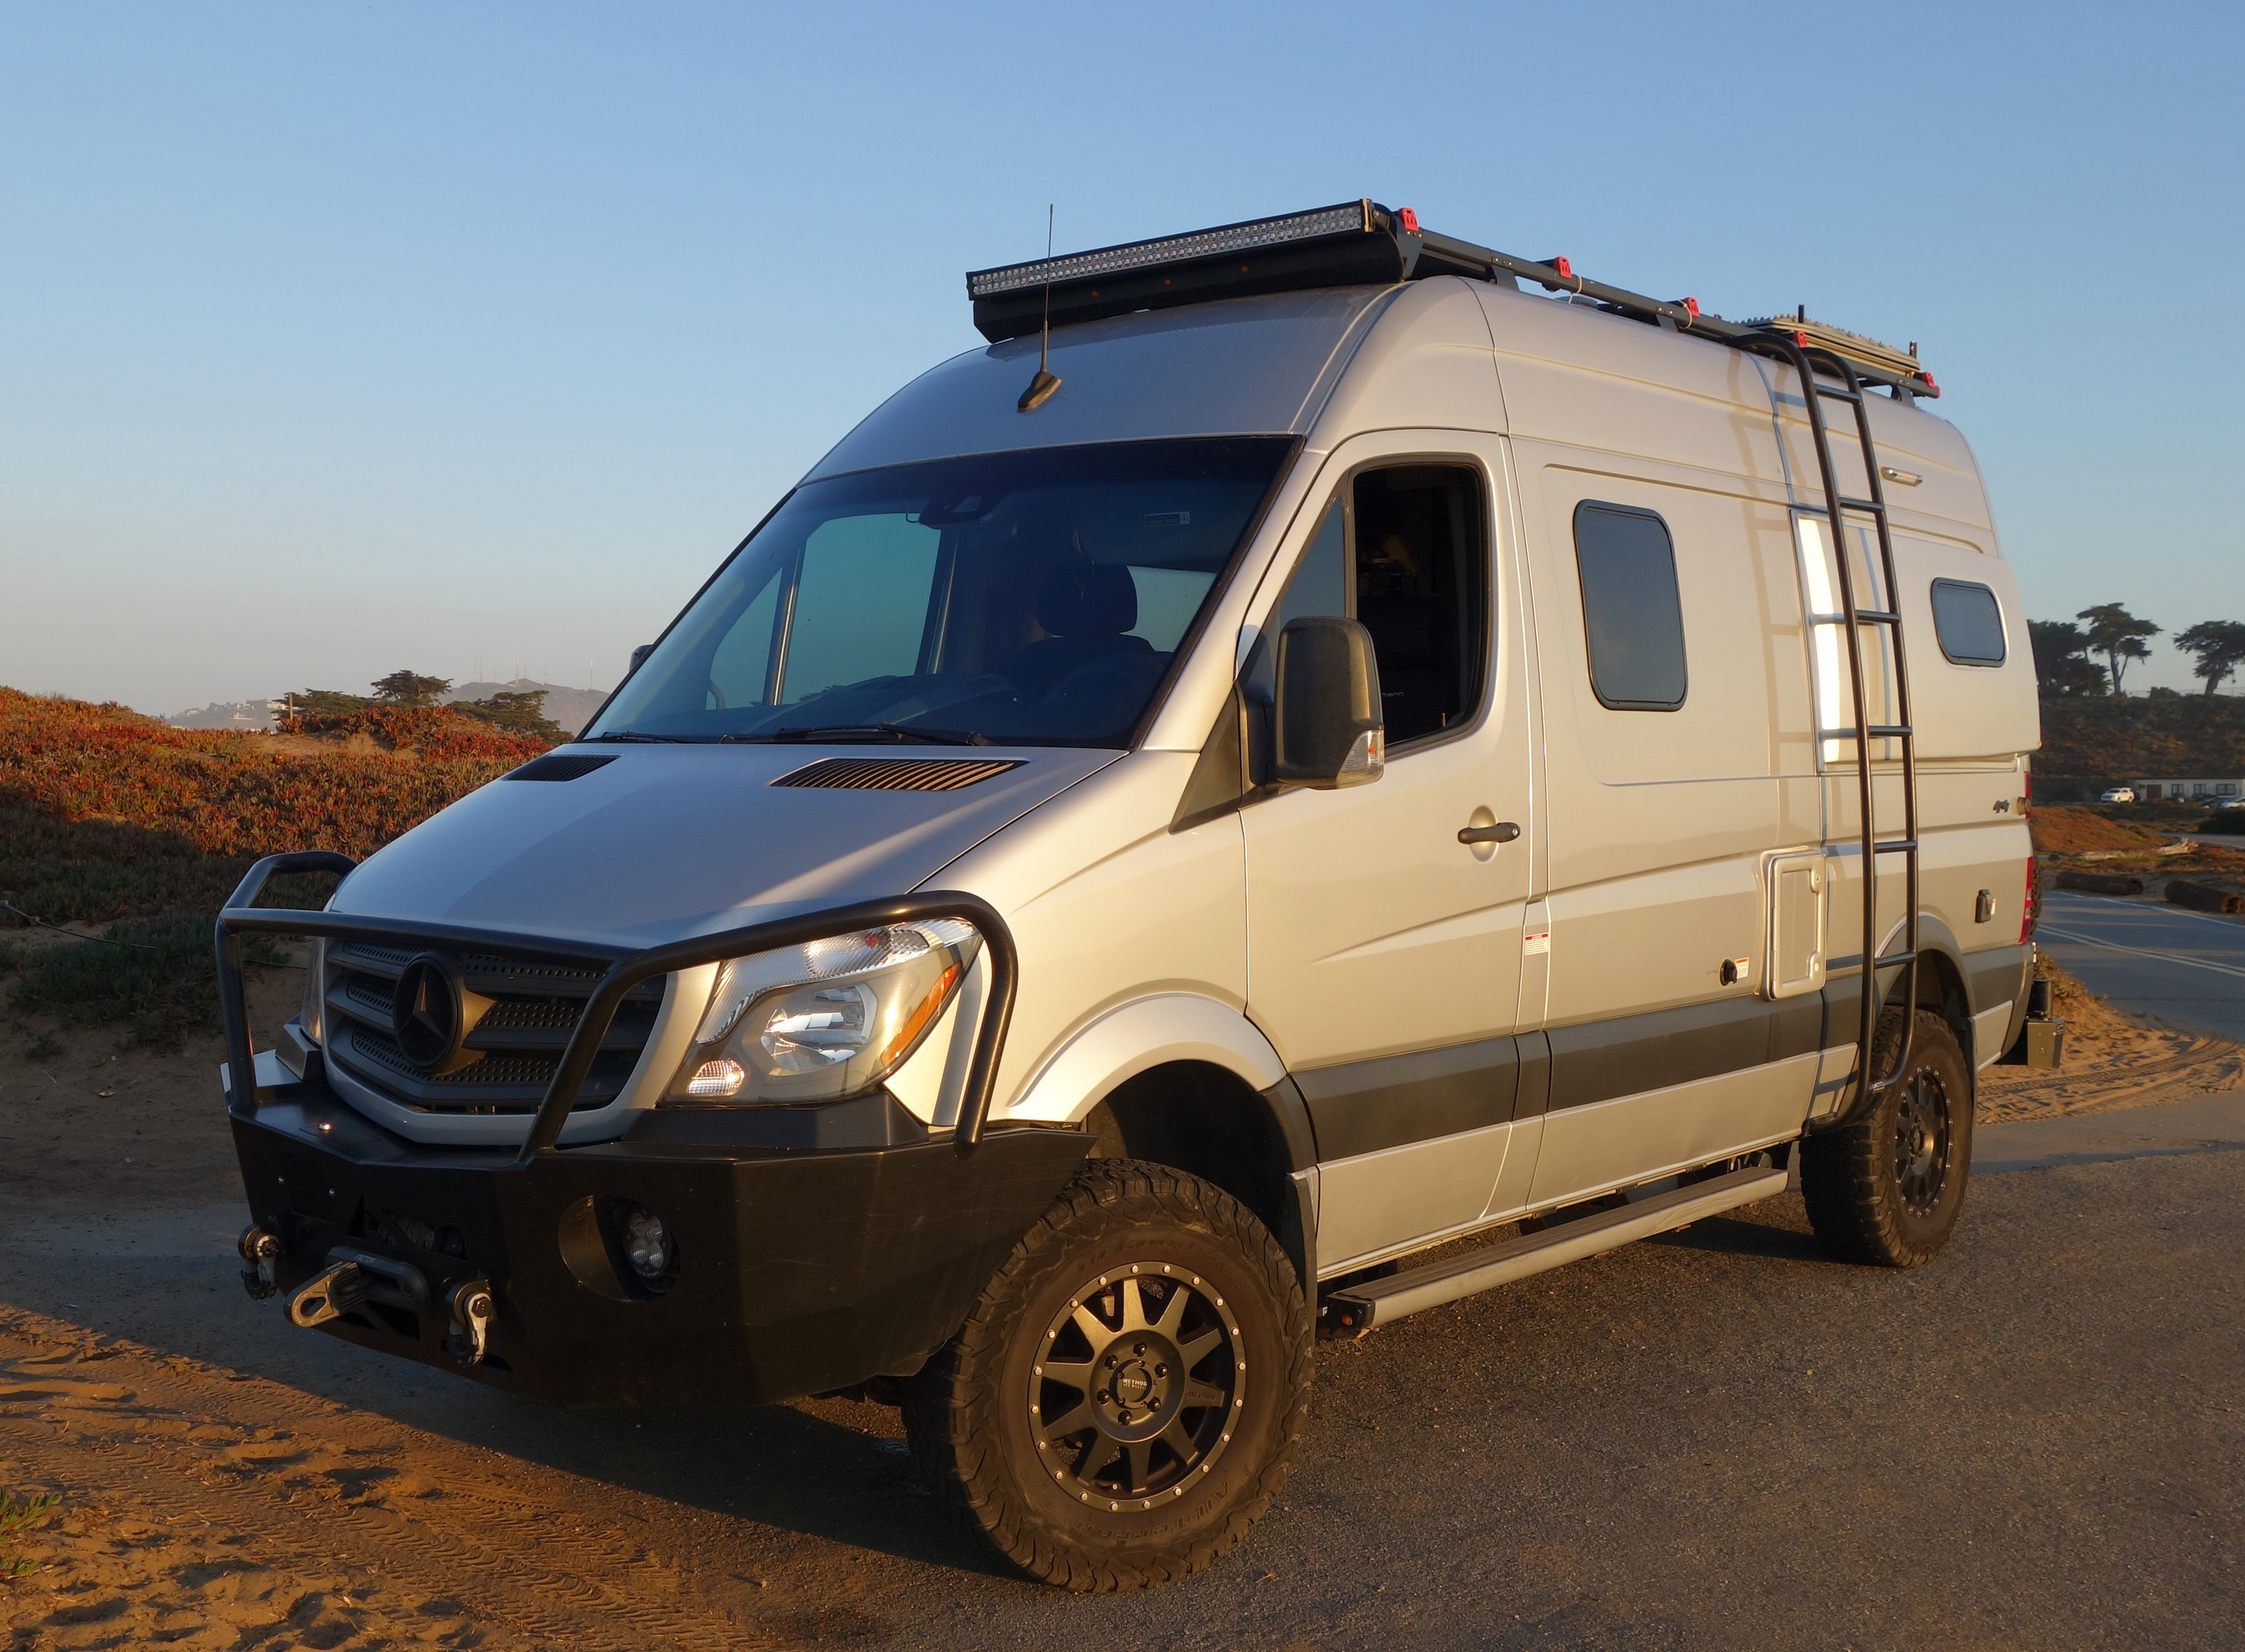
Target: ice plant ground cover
[[106, 816]]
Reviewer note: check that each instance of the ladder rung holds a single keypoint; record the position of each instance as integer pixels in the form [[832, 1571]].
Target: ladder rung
[[1875, 617], [1896, 846], [1891, 731], [1839, 396], [1871, 506], [1893, 958]]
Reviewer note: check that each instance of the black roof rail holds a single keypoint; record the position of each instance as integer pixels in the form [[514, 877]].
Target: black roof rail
[[1354, 244]]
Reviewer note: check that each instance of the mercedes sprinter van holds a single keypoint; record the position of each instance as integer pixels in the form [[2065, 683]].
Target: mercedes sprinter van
[[1320, 740]]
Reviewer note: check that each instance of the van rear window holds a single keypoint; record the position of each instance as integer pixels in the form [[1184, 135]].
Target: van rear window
[[1632, 613], [1969, 622]]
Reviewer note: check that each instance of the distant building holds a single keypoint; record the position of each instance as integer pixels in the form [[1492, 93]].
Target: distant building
[[2184, 791]]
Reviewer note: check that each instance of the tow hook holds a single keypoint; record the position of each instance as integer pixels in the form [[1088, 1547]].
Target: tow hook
[[472, 1312], [260, 1249], [352, 1278], [330, 1294]]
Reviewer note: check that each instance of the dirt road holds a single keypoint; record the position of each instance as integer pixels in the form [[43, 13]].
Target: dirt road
[[1716, 1438]]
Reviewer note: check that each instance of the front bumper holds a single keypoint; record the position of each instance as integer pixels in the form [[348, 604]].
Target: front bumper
[[798, 1268], [797, 1271]]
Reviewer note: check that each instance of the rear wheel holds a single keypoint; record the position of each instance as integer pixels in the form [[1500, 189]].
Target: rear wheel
[[1126, 1395], [1888, 1190]]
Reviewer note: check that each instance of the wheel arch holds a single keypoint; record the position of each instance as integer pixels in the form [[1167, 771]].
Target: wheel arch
[[1182, 1080]]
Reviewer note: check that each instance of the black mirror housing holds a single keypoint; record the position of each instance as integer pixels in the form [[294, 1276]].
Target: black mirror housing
[[1330, 730]]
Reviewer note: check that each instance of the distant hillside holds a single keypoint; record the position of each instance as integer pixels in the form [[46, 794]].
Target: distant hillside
[[2135, 738], [570, 708], [240, 716]]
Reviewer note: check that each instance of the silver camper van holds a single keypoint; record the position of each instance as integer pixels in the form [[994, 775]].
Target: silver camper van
[[1322, 741]]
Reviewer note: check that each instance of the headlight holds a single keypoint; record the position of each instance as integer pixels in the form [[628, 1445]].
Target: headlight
[[827, 1019]]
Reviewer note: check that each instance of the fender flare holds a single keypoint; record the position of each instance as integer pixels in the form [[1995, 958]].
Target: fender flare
[[1135, 1037]]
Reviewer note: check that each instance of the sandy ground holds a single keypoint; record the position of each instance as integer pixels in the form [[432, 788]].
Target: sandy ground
[[2113, 1061], [204, 1506]]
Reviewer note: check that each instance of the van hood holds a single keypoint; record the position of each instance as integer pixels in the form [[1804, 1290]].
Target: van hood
[[665, 842]]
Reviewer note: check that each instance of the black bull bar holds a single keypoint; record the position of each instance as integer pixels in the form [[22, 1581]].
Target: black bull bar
[[797, 1271]]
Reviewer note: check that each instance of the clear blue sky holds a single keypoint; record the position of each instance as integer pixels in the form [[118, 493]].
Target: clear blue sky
[[334, 338]]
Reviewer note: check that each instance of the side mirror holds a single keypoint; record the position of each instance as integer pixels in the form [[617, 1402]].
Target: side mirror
[[1329, 728], [639, 657]]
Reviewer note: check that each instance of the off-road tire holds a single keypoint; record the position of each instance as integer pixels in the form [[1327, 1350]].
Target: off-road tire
[[1887, 1191], [1126, 1233]]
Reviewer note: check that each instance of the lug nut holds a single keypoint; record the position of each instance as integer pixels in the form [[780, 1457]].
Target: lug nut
[[1102, 1396], [1111, 1362], [1161, 1371], [1123, 1416], [1139, 1349]]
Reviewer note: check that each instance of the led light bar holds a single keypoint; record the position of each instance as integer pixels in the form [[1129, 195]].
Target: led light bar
[[1355, 243], [1355, 217]]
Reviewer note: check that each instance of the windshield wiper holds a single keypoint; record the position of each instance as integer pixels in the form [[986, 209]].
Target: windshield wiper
[[633, 734], [855, 732]]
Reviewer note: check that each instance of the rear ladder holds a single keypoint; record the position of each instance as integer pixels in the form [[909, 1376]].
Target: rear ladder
[[1807, 361]]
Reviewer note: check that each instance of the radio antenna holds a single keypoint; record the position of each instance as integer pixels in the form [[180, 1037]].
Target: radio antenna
[[1041, 387]]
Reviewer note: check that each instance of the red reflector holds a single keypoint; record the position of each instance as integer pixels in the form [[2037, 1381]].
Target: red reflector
[[1409, 219], [1800, 340], [1564, 268], [1692, 304], [2027, 913], [1930, 384]]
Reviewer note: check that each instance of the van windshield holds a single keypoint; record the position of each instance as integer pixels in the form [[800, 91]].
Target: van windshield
[[1032, 597]]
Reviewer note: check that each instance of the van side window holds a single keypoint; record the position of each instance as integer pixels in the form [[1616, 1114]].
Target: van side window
[[1632, 613], [1402, 550], [1969, 622], [1421, 584]]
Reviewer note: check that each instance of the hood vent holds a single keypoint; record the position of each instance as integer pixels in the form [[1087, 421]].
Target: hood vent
[[561, 766], [897, 774]]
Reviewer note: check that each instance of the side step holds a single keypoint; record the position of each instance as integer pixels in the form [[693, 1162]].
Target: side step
[[1377, 1302]]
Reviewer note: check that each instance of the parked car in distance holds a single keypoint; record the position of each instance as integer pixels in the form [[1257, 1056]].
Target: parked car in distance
[[2119, 795]]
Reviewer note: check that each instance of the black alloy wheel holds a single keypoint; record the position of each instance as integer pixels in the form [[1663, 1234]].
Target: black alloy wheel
[[1142, 1373], [1922, 1141], [1887, 1189], [1126, 1396]]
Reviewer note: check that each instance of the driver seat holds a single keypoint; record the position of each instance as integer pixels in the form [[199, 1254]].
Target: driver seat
[[1087, 607]]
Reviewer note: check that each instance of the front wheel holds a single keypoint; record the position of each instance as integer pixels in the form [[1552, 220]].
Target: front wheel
[[1126, 1396], [1887, 1189]]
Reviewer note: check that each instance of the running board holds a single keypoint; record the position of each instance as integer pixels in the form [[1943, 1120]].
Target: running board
[[1376, 1302]]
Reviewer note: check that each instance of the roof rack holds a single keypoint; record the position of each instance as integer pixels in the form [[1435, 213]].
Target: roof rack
[[1361, 243]]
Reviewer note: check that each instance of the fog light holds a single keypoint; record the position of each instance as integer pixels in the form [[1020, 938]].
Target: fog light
[[647, 1242], [718, 1078]]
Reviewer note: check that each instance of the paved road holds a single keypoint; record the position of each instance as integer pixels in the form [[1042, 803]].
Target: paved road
[[2152, 958], [1718, 1439]]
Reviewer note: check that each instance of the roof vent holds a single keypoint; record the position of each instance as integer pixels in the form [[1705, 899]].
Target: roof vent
[[561, 766], [897, 774]]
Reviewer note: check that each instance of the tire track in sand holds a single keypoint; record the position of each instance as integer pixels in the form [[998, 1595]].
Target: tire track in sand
[[207, 1508]]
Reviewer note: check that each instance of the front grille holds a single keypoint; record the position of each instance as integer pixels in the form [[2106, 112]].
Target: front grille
[[529, 1008], [897, 774]]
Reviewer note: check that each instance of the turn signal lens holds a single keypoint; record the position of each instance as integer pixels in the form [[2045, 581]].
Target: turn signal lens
[[717, 1079]]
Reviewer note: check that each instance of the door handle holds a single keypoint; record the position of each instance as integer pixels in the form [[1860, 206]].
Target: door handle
[[1502, 832]]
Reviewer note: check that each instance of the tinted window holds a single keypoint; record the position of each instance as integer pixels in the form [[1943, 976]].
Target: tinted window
[[1632, 614], [1035, 597], [1400, 551], [1968, 622]]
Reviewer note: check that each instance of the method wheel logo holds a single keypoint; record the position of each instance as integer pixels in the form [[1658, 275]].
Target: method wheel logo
[[424, 1013]]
